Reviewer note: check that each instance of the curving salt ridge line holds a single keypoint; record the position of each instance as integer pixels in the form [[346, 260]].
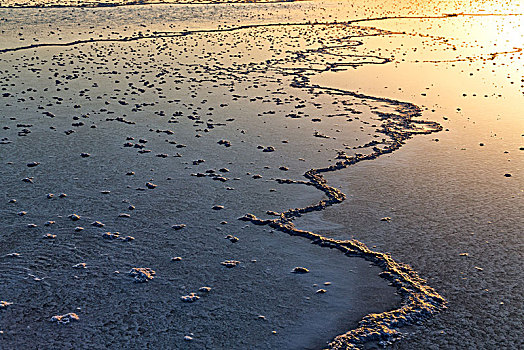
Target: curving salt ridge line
[[418, 300], [231, 29]]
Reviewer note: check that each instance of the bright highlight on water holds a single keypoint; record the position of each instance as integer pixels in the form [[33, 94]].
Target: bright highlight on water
[[261, 175]]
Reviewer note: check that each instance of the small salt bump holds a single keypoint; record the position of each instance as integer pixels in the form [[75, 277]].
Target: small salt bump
[[4, 304], [190, 298], [233, 239], [74, 217], [65, 319], [300, 270], [230, 263], [225, 143], [97, 224], [142, 274], [110, 235]]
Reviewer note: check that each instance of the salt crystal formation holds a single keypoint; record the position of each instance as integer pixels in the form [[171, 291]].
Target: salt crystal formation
[[300, 270], [65, 319], [142, 274], [74, 217], [4, 304], [230, 263], [419, 301], [191, 297]]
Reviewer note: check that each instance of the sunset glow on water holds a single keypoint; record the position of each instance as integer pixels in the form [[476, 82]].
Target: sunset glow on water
[[174, 173]]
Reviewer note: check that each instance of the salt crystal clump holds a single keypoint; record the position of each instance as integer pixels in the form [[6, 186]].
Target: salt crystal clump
[[74, 217], [142, 274], [65, 319], [4, 304], [233, 239], [299, 269], [97, 224], [230, 263], [191, 297]]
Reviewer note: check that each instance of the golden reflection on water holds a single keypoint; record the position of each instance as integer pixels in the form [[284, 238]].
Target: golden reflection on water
[[467, 67]]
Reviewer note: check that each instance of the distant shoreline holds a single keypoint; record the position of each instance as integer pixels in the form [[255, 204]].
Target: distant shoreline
[[138, 3]]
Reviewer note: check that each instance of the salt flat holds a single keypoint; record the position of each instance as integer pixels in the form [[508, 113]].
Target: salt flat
[[134, 138]]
